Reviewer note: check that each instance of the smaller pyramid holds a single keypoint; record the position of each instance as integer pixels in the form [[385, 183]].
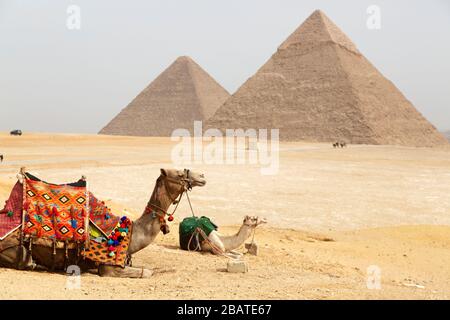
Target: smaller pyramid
[[183, 93]]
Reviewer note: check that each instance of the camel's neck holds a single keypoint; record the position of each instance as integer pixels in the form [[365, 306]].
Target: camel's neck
[[234, 242], [147, 226]]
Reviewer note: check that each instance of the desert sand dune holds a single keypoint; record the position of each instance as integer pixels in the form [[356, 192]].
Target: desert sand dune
[[381, 205]]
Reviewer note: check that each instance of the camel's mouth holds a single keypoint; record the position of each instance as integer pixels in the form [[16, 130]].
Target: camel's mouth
[[199, 183], [262, 221]]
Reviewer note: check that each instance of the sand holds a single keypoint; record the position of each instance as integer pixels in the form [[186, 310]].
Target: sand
[[332, 214]]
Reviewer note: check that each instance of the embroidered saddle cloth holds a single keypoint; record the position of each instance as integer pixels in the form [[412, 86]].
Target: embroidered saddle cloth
[[69, 213], [11, 215], [55, 211], [110, 252]]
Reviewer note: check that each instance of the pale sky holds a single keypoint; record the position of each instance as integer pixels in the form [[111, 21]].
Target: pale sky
[[53, 79]]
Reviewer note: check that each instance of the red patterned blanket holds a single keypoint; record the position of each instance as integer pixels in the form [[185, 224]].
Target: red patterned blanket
[[11, 215], [53, 211]]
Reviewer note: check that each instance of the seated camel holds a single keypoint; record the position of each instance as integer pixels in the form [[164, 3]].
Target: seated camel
[[225, 245], [168, 187]]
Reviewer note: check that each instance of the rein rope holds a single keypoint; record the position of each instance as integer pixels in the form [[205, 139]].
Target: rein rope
[[190, 205]]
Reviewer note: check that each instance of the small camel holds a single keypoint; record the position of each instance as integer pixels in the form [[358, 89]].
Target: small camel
[[169, 186], [220, 244]]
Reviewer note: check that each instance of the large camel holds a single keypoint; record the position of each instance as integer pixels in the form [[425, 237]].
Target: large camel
[[169, 186]]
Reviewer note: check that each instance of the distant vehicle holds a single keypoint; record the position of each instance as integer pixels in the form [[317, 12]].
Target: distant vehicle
[[16, 132]]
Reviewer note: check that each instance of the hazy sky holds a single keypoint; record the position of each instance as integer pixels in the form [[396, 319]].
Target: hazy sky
[[53, 79]]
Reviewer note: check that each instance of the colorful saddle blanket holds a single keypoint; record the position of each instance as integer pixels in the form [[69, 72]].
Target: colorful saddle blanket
[[111, 251], [67, 212], [56, 211], [101, 216], [11, 215], [60, 211]]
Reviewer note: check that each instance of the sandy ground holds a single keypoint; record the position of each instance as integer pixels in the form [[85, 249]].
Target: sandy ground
[[332, 214]]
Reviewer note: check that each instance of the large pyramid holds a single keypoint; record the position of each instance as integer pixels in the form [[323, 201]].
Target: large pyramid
[[319, 87], [447, 135], [184, 92]]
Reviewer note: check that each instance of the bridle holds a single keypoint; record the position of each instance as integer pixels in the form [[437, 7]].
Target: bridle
[[186, 184]]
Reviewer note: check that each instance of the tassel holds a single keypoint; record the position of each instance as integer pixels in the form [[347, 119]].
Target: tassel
[[30, 247], [66, 245], [52, 268], [54, 247], [39, 219], [66, 257]]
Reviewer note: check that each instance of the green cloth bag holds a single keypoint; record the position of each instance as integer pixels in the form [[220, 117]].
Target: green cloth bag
[[188, 231]]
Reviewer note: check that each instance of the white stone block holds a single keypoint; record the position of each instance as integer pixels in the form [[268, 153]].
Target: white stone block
[[237, 266]]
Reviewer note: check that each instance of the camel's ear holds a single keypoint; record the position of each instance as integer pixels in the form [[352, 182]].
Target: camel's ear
[[163, 172]]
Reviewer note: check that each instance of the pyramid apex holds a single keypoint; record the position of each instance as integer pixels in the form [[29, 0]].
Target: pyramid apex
[[319, 28], [318, 12], [184, 59]]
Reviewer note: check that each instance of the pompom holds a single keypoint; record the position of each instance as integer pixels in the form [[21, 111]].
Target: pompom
[[170, 218]]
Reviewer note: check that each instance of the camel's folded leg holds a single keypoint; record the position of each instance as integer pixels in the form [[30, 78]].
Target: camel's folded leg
[[16, 257], [127, 272], [13, 255]]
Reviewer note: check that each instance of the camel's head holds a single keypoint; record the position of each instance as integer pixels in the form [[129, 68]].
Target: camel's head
[[186, 177], [176, 182], [253, 221]]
